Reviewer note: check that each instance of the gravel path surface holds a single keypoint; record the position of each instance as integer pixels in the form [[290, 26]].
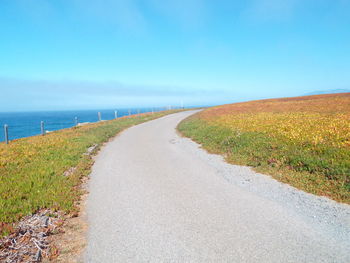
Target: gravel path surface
[[157, 197]]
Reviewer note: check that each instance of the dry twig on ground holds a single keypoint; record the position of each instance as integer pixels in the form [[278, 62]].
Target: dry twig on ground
[[29, 241]]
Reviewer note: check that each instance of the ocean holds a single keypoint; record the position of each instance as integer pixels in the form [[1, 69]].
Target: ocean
[[25, 124]]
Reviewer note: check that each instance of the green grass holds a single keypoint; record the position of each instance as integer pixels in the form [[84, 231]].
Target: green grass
[[321, 170], [31, 169]]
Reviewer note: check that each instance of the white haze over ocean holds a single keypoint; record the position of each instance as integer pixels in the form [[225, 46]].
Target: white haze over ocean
[[56, 95]]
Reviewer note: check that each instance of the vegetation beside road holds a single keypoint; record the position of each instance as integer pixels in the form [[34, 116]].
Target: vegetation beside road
[[33, 171], [302, 141]]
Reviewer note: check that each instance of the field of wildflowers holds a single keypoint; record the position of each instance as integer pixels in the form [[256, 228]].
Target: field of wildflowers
[[303, 141], [32, 170]]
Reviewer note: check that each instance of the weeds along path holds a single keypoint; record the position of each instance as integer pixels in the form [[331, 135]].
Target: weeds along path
[[158, 197], [43, 172]]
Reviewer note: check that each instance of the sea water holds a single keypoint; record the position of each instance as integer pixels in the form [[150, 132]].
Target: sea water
[[25, 124]]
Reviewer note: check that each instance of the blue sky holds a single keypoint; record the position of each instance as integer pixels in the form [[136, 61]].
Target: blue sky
[[88, 54]]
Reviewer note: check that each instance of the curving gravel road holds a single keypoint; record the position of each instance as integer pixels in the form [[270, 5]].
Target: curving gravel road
[[157, 197]]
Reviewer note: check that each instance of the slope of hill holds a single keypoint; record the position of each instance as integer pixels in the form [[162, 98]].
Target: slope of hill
[[303, 141]]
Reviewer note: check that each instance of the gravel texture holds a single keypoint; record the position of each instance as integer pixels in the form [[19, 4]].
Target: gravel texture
[[158, 197]]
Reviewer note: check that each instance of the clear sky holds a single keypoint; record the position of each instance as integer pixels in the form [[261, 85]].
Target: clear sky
[[83, 54]]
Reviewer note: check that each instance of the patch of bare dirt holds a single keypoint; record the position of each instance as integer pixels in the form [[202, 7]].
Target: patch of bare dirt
[[71, 241]]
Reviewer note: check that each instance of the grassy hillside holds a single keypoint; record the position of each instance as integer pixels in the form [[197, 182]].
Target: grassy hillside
[[303, 141], [32, 169]]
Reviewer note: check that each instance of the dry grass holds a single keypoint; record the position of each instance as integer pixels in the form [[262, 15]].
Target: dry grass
[[303, 141]]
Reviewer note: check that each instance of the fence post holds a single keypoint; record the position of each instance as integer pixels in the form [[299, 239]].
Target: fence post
[[99, 116], [129, 112], [42, 128], [115, 114], [76, 121], [138, 111], [6, 129], [152, 111]]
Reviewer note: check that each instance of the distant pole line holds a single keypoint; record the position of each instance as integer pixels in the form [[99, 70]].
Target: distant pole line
[[76, 119]]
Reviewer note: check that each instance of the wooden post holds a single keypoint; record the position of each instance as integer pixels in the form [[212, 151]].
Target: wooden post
[[6, 129], [42, 128], [99, 116], [76, 121], [152, 111], [129, 112], [115, 114]]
